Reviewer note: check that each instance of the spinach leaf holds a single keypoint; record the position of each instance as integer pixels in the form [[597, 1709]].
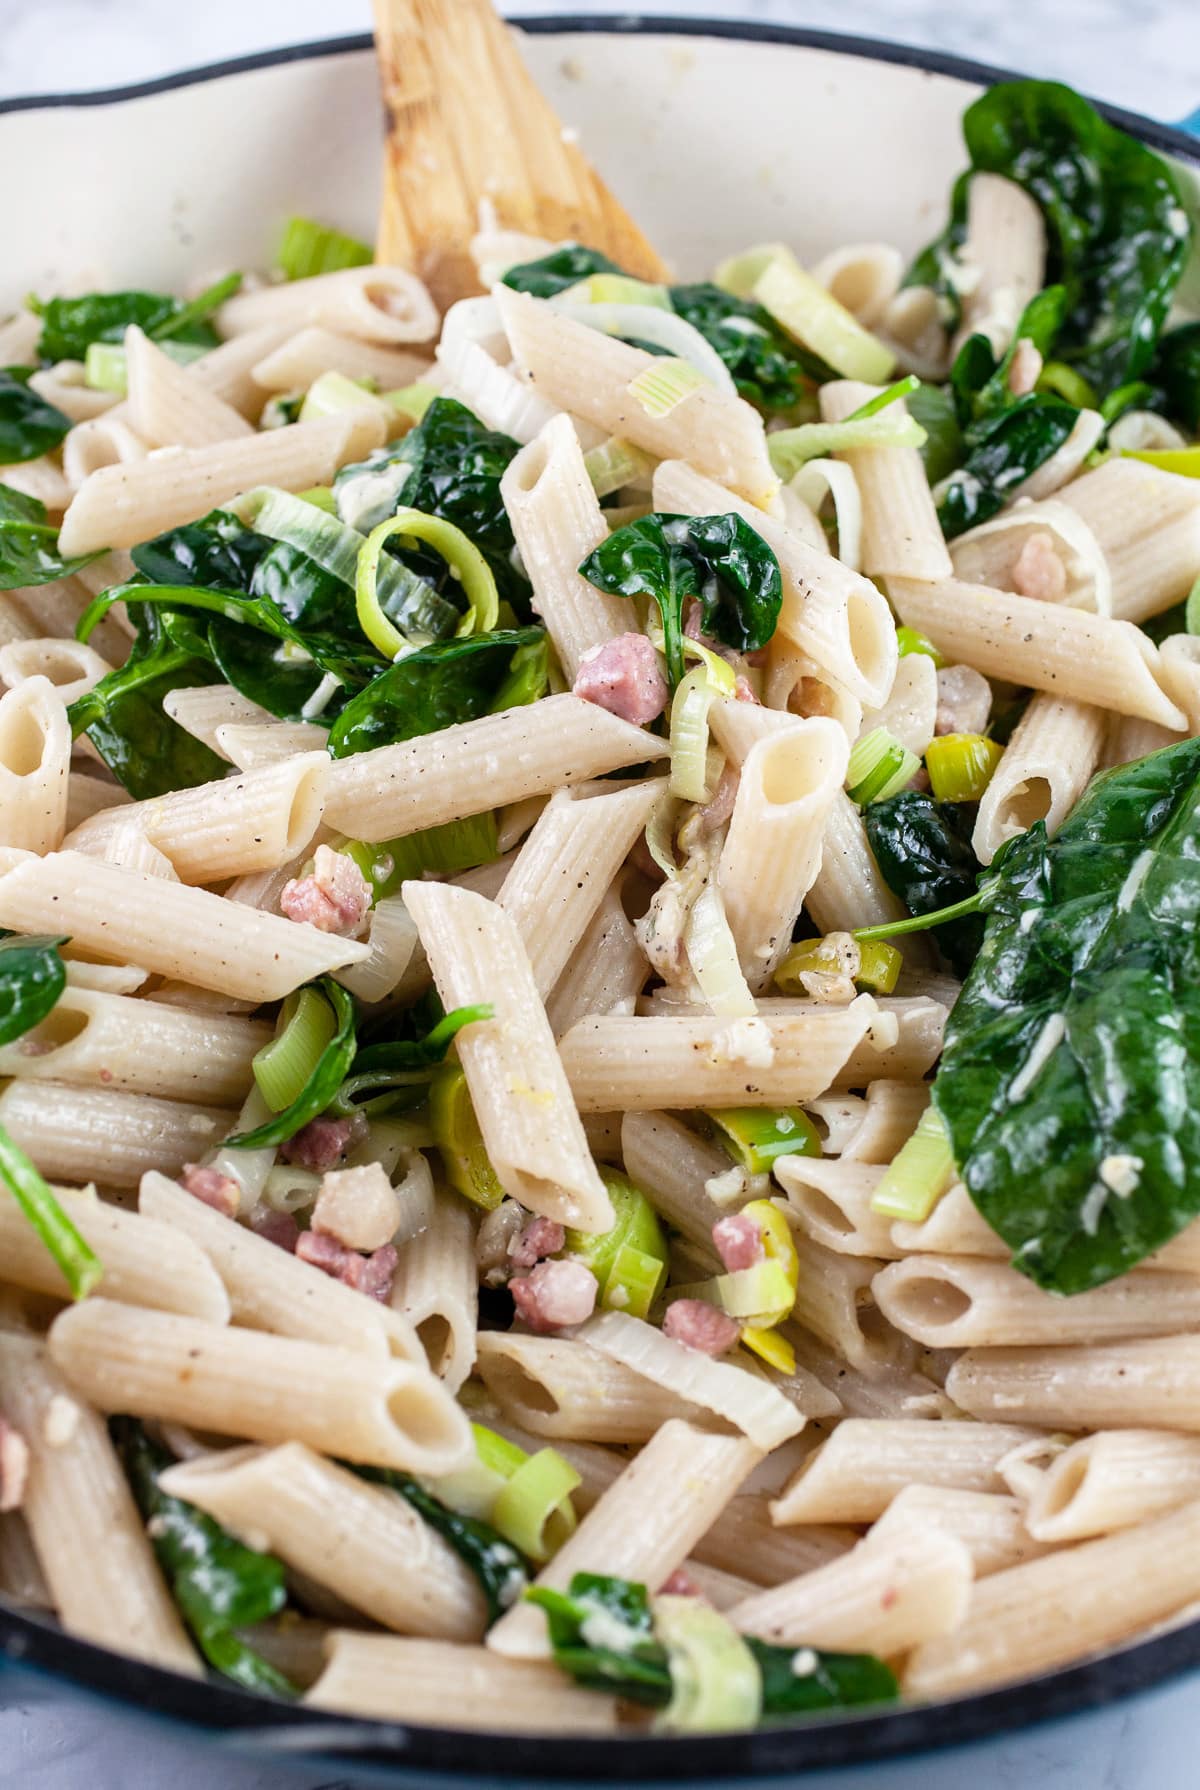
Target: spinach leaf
[[1002, 451], [385, 1068], [639, 1669], [718, 560], [217, 552], [934, 408], [282, 680], [71, 325], [1175, 376], [454, 467], [1071, 1059], [493, 1560], [434, 687], [769, 369], [923, 849], [328, 1074], [1004, 438], [123, 716], [836, 1681], [1116, 223], [219, 1584], [29, 544], [28, 425], [32, 976], [554, 273]]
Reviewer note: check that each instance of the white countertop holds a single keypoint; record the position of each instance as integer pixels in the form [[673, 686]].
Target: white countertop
[[1143, 54]]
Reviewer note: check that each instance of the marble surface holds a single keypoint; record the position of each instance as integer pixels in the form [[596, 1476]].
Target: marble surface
[[1144, 54]]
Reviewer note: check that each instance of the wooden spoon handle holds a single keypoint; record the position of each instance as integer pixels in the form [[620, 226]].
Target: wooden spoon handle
[[467, 123]]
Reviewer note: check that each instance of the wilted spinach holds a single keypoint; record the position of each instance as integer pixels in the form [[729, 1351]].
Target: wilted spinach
[[147, 752], [28, 425], [923, 849], [29, 544], [71, 325], [556, 272], [32, 976], [1118, 233], [219, 1584], [454, 467], [1004, 437], [768, 368], [434, 687], [1068, 1080], [639, 1667], [1174, 377], [494, 1561], [718, 560], [218, 551]]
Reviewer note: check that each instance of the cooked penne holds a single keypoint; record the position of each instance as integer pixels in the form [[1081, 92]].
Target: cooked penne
[[79, 1134], [436, 1289], [990, 1525], [854, 1476], [362, 1541], [35, 759], [271, 1289], [469, 768], [1005, 252], [1076, 1600], [559, 1387], [266, 1388], [959, 1302], [1065, 652], [557, 521], [296, 362], [256, 821], [643, 1527], [901, 533], [138, 1047], [168, 406], [1047, 765], [143, 1262], [398, 1680], [775, 1060], [591, 374], [172, 930], [772, 850], [520, 1093], [1149, 1380], [565, 867], [607, 972], [122, 504], [1111, 1480], [885, 1596], [378, 304], [848, 890], [85, 1526]]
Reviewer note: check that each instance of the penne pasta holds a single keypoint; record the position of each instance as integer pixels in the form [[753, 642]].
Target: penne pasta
[[362, 1541], [526, 1112], [266, 1388], [466, 769], [557, 521]]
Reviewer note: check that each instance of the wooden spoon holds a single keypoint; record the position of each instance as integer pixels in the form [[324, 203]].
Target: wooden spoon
[[466, 123]]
